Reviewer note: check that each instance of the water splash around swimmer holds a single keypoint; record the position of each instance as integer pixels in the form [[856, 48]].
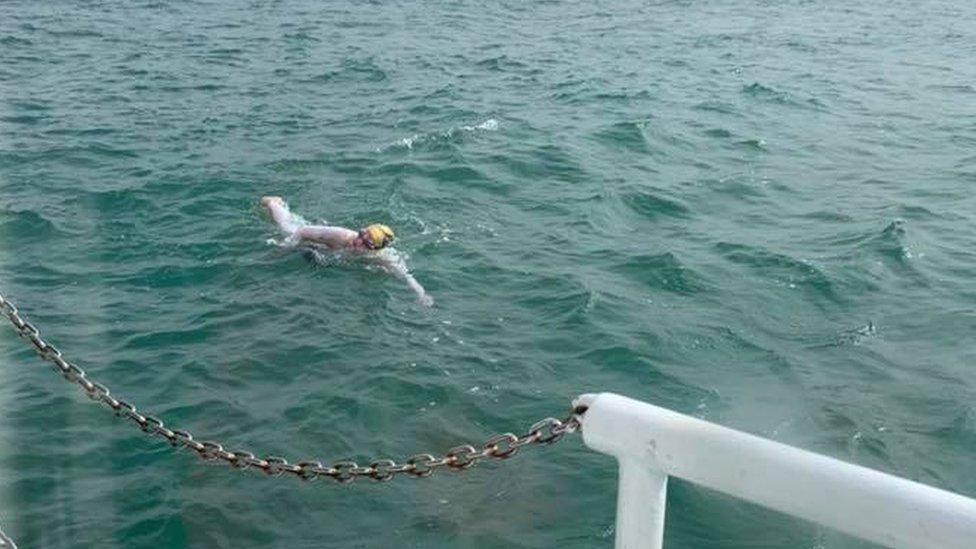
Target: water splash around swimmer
[[331, 244]]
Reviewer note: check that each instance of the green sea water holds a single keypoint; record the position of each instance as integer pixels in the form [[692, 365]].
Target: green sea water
[[758, 213]]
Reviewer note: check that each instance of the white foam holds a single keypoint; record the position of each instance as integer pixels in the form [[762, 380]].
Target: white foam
[[489, 125], [408, 143]]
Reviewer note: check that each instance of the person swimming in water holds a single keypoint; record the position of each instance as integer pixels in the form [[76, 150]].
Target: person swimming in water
[[371, 241]]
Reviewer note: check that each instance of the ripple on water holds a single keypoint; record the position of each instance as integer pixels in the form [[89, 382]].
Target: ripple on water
[[769, 94], [663, 272], [559, 301], [653, 206], [352, 70], [26, 226], [782, 268], [626, 135], [889, 245], [668, 387]]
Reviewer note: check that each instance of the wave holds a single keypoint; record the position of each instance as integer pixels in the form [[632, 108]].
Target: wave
[[662, 272], [418, 139], [795, 273], [652, 206], [889, 244], [772, 95], [352, 70]]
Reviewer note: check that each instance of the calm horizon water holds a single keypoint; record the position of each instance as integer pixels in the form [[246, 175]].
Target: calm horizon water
[[758, 213]]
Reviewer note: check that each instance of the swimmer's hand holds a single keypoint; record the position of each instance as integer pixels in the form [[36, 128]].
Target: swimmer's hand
[[395, 264], [267, 201]]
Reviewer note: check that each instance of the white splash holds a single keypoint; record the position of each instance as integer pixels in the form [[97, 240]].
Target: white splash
[[489, 125], [408, 143]]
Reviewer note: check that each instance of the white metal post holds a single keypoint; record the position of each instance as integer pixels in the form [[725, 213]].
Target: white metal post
[[641, 498], [859, 501]]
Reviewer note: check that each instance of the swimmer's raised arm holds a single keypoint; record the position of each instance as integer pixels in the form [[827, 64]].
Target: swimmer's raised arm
[[397, 266], [333, 237], [294, 226]]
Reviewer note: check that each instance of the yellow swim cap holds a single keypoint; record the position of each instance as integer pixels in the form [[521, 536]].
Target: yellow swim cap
[[377, 236]]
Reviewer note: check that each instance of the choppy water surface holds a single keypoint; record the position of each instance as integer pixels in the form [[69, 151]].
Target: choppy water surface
[[757, 213]]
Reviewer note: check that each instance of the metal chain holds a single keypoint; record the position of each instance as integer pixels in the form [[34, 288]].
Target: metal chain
[[503, 446]]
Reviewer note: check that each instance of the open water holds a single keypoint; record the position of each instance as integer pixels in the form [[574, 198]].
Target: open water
[[758, 213]]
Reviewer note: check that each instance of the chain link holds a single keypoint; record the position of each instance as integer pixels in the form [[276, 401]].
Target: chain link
[[498, 447]]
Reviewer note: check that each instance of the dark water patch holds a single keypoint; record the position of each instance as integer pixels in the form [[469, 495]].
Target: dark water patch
[[721, 40], [653, 206], [26, 225], [32, 106], [721, 107], [624, 135], [781, 268], [765, 92], [164, 276], [207, 87], [26, 119], [346, 163], [301, 36], [468, 177], [449, 91], [502, 63], [558, 300], [768, 94], [663, 272], [639, 370], [799, 45], [617, 97], [353, 70], [828, 216], [718, 133], [965, 89], [742, 353], [73, 33], [118, 200], [15, 41], [81, 132], [549, 161], [569, 90], [168, 339]]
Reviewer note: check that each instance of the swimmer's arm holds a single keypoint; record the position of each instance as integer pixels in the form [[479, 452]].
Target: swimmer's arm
[[400, 270], [333, 237]]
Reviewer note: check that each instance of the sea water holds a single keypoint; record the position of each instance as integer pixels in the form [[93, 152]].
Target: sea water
[[758, 213]]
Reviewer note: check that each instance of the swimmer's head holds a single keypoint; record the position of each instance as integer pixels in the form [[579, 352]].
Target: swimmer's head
[[376, 236]]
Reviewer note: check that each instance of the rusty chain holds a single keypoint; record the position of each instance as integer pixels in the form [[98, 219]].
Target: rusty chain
[[502, 446]]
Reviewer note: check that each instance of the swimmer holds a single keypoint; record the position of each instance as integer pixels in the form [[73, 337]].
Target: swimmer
[[371, 241]]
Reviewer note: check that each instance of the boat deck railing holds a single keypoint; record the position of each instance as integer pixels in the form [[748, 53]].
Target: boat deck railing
[[652, 444]]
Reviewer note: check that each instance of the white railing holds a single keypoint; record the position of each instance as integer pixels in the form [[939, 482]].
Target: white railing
[[652, 443]]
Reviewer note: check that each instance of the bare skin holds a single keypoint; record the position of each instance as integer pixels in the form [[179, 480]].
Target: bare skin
[[339, 239]]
